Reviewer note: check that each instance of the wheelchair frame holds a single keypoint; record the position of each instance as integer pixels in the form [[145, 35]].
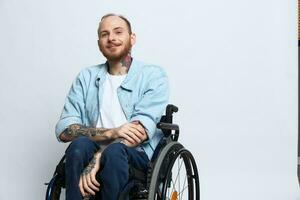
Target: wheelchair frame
[[159, 177]]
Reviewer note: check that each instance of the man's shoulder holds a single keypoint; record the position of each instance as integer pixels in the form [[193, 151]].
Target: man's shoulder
[[145, 67], [91, 71]]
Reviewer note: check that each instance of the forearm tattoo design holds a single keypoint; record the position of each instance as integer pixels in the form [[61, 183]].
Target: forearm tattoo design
[[76, 130], [90, 166]]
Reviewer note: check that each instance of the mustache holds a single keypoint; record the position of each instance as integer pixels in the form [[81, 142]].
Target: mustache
[[112, 44]]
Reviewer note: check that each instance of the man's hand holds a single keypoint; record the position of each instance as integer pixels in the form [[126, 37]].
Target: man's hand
[[88, 184], [133, 133]]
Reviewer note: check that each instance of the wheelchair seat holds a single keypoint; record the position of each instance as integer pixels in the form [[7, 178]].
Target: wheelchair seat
[[159, 183]]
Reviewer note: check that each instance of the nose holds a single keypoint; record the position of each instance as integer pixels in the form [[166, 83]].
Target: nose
[[111, 37]]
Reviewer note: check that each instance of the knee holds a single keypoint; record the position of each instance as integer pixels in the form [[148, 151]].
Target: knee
[[79, 147], [114, 152]]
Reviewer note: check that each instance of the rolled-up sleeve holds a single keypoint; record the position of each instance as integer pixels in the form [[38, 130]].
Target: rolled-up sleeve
[[153, 102], [73, 110]]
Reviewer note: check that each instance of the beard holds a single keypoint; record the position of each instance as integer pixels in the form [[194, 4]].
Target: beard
[[117, 56]]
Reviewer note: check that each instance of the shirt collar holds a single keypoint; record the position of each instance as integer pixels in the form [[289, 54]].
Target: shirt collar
[[128, 82]]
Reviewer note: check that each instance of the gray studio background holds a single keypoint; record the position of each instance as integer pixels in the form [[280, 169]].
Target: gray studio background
[[233, 72]]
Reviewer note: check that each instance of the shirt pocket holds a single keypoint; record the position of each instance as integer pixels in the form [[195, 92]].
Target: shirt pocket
[[126, 101]]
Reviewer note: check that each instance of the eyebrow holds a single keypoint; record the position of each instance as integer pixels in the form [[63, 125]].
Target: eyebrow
[[113, 29]]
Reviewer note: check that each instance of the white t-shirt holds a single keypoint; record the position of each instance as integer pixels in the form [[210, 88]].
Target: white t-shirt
[[112, 114]]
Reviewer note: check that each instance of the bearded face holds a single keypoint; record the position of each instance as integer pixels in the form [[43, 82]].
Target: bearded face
[[116, 50], [115, 41]]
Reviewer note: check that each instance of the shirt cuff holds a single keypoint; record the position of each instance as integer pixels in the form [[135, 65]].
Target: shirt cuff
[[64, 123], [148, 124]]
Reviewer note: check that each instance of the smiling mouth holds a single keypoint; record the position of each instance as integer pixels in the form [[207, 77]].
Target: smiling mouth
[[112, 46]]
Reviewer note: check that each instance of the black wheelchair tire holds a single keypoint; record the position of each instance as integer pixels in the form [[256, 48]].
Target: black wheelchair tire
[[163, 167], [53, 189]]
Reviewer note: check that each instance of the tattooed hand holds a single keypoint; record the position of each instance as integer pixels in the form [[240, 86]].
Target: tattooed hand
[[88, 184]]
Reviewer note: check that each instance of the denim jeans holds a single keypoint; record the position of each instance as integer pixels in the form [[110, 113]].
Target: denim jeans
[[114, 167]]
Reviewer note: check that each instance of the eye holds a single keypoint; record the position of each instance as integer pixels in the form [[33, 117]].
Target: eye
[[119, 32], [103, 35]]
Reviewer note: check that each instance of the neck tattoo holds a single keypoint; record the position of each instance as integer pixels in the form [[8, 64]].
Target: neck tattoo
[[126, 62]]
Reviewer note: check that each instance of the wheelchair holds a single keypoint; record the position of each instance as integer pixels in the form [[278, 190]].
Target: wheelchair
[[172, 171]]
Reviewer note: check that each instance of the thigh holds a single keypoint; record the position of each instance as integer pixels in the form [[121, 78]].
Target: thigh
[[137, 159], [120, 153]]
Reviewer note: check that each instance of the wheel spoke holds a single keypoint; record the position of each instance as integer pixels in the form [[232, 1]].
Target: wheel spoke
[[180, 192], [177, 181], [178, 170], [183, 189], [173, 184]]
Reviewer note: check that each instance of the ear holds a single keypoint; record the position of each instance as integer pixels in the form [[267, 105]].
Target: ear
[[132, 39], [99, 44]]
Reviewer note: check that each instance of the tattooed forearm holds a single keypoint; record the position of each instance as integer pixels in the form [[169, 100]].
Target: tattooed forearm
[[72, 130], [89, 168], [76, 130], [92, 163]]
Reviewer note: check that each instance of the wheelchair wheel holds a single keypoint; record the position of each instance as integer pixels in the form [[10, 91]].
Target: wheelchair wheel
[[57, 183], [54, 189], [175, 175]]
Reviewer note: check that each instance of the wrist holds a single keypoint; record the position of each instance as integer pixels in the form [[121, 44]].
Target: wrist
[[97, 155], [113, 133]]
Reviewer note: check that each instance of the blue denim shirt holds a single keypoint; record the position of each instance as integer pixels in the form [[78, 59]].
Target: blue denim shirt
[[143, 96]]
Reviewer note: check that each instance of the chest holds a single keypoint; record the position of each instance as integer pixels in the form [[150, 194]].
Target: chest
[[96, 97]]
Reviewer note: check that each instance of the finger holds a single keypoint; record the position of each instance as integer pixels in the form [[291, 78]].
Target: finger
[[92, 183], [87, 197], [127, 143], [81, 187], [89, 183], [94, 180], [127, 137], [137, 132], [132, 133], [143, 131], [140, 135], [86, 187], [138, 127]]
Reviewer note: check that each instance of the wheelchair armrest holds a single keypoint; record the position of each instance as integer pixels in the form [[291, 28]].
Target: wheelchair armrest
[[167, 129], [167, 126]]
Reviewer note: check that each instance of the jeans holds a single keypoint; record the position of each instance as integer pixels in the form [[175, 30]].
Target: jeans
[[114, 167]]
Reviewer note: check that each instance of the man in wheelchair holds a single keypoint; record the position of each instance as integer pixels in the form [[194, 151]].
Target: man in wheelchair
[[110, 116]]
